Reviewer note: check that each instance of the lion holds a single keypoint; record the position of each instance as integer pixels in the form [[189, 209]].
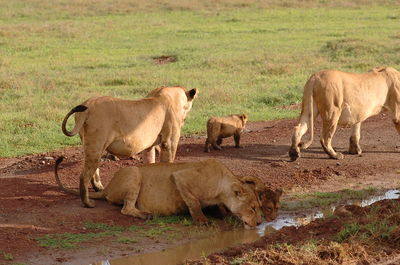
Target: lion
[[126, 127], [222, 127], [345, 99], [173, 188], [269, 198]]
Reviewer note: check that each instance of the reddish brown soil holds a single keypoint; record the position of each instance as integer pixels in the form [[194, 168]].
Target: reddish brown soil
[[32, 205]]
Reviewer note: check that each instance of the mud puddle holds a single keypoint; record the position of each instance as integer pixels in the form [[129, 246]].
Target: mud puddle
[[222, 240]]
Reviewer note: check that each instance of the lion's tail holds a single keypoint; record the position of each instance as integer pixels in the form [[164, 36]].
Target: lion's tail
[[92, 195], [78, 125], [308, 104]]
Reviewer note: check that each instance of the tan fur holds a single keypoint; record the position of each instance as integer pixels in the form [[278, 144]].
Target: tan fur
[[269, 198], [345, 99], [222, 127], [127, 127], [174, 188]]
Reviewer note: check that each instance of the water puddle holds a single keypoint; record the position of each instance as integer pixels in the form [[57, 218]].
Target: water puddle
[[203, 247], [290, 219], [191, 250]]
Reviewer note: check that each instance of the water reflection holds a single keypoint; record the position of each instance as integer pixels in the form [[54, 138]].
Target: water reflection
[[191, 250]]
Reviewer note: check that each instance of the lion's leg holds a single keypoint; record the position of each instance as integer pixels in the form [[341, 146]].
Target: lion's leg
[[236, 136], [298, 132], [130, 209], [174, 144], [207, 146], [165, 155], [396, 122], [130, 205], [149, 155], [96, 182], [169, 144], [93, 152], [215, 146], [89, 170], [219, 141], [354, 147], [189, 198], [213, 136], [328, 130]]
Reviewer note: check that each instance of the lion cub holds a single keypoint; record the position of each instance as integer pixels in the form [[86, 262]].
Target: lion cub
[[222, 127]]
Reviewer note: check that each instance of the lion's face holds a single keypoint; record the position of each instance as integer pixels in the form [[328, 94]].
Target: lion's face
[[245, 204], [270, 203]]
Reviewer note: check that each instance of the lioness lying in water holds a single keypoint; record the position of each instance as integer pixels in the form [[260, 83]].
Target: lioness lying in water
[[174, 188]]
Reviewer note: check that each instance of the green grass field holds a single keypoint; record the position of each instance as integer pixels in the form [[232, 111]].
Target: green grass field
[[243, 56]]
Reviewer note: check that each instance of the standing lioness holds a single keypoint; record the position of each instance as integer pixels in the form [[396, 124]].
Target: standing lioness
[[127, 127], [174, 188], [345, 99]]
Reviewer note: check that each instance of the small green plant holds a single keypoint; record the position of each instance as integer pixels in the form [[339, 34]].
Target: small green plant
[[68, 240], [348, 231], [324, 199], [233, 221], [173, 219], [310, 246], [155, 232], [8, 256], [126, 240], [379, 229], [104, 227], [133, 228], [238, 261]]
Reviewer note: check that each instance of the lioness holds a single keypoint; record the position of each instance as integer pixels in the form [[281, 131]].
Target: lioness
[[222, 127], [269, 198], [127, 127], [173, 188], [345, 99]]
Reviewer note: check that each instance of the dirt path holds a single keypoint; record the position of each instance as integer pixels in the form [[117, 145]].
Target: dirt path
[[31, 204]]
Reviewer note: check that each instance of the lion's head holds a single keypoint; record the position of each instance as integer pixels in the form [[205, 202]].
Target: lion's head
[[269, 198], [270, 203], [182, 99], [244, 204]]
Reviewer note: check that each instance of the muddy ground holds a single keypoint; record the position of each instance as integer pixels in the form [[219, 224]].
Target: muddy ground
[[31, 204]]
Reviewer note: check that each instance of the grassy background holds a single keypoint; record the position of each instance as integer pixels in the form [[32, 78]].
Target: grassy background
[[243, 55]]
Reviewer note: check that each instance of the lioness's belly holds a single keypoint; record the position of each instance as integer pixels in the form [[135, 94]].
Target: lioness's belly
[[122, 149], [352, 115], [160, 198]]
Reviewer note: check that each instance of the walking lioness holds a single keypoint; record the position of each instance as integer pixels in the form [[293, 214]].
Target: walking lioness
[[345, 99], [174, 188], [127, 127]]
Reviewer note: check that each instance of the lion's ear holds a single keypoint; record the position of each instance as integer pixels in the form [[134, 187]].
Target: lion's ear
[[254, 181], [191, 94], [244, 117], [278, 192], [378, 69], [274, 194]]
